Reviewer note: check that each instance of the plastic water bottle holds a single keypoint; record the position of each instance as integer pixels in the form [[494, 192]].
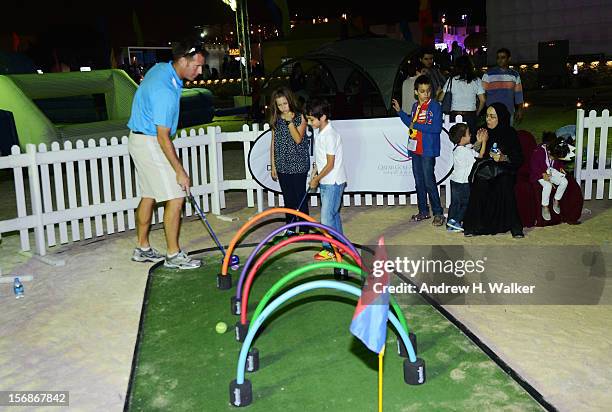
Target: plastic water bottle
[[494, 149], [18, 288]]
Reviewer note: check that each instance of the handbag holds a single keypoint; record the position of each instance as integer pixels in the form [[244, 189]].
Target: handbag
[[486, 169], [447, 101]]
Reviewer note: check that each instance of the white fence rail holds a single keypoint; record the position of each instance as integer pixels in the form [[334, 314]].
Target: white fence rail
[[593, 153], [79, 192], [84, 191]]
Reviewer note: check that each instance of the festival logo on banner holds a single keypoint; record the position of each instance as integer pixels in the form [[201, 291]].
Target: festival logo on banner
[[376, 157]]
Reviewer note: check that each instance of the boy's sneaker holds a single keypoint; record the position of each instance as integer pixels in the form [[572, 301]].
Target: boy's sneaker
[[151, 255], [324, 255], [545, 213], [438, 220], [556, 207], [182, 261], [453, 226]]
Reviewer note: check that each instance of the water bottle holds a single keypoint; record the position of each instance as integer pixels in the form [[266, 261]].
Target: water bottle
[[494, 149], [18, 288]]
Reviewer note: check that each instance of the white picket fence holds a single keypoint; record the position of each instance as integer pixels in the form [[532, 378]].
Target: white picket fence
[[100, 183], [81, 191], [596, 169], [90, 190]]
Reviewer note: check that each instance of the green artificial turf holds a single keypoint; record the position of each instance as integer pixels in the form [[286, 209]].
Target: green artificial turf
[[309, 359]]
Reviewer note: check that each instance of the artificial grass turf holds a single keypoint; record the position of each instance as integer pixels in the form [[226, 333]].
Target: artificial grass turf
[[309, 361]]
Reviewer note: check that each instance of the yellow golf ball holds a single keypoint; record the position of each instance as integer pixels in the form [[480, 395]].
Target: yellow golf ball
[[221, 327]]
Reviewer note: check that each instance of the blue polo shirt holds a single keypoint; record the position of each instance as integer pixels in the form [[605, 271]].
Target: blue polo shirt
[[156, 102]]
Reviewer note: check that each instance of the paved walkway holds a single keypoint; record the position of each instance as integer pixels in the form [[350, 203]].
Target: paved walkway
[[77, 326]]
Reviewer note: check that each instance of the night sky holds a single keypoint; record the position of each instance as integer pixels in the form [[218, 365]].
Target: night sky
[[160, 20], [72, 27]]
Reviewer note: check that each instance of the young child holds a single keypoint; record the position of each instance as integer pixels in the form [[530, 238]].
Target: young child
[[464, 157], [547, 169], [289, 151], [329, 173], [425, 125]]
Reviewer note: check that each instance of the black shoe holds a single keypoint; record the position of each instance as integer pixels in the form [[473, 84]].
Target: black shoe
[[518, 235]]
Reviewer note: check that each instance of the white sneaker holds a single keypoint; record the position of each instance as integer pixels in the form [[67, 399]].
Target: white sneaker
[[556, 207], [545, 213], [151, 255], [182, 261]]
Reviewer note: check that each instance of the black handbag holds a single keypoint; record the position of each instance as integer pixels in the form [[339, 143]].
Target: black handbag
[[447, 100], [486, 169]]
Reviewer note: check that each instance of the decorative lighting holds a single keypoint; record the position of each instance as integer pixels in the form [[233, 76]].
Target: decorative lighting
[[579, 104], [594, 65], [39, 71], [609, 63], [575, 70], [535, 66], [523, 66], [85, 69], [526, 105], [580, 64], [325, 20]]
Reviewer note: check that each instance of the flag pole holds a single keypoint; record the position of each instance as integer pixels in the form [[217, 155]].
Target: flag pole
[[380, 378]]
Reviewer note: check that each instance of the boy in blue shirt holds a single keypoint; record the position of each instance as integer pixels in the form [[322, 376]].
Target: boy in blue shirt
[[425, 126]]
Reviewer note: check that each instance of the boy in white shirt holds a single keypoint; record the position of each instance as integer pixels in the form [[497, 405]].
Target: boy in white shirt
[[329, 171], [464, 157]]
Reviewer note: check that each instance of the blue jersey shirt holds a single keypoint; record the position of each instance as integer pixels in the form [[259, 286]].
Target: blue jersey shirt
[[157, 100]]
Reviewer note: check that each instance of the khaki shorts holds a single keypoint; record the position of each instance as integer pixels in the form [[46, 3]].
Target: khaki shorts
[[156, 177]]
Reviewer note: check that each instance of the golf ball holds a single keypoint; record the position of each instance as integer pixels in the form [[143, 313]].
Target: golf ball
[[221, 327]]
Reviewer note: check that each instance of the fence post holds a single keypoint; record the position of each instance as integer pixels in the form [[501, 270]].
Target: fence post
[[34, 177], [214, 171], [579, 143]]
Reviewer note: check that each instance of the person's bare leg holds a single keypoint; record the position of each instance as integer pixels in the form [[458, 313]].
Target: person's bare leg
[[144, 213], [172, 224]]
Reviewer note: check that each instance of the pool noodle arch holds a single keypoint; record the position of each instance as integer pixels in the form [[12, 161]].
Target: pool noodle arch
[[317, 284], [320, 265], [251, 222], [244, 301], [261, 244]]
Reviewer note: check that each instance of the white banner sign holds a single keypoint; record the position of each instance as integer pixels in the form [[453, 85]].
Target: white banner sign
[[376, 158]]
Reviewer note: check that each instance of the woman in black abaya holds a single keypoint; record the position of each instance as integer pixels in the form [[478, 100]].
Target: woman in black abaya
[[492, 206]]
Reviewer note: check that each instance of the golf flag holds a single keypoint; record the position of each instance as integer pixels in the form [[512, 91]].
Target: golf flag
[[369, 322]]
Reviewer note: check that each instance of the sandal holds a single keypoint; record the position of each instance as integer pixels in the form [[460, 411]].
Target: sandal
[[419, 216]]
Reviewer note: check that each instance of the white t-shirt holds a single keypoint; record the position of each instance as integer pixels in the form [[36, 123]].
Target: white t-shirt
[[328, 141], [464, 94], [408, 97], [464, 158]]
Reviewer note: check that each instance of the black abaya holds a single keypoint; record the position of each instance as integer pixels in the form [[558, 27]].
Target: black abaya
[[492, 206]]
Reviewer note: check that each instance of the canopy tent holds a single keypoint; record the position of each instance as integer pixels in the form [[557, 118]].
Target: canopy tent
[[377, 59]]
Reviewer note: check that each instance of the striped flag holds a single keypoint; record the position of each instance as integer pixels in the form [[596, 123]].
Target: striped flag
[[369, 322]]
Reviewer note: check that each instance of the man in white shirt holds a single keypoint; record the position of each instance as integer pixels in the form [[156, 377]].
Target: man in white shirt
[[329, 172]]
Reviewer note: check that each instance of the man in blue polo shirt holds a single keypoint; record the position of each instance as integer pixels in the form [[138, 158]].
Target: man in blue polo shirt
[[161, 177]]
